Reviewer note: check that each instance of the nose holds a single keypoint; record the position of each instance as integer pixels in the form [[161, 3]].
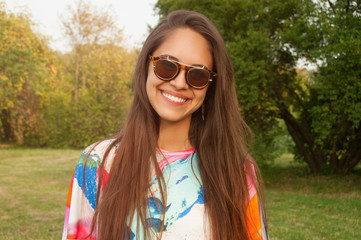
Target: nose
[[179, 82]]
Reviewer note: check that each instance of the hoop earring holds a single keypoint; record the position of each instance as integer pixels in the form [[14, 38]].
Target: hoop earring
[[202, 112]]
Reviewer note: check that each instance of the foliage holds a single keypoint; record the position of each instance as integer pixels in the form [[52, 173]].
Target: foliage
[[336, 102], [266, 39], [42, 103], [96, 74], [26, 71], [102, 102], [86, 24]]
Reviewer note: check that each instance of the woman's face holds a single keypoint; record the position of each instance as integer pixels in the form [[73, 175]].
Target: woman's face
[[175, 100]]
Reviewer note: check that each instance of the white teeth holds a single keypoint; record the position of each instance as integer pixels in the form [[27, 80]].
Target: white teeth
[[173, 98]]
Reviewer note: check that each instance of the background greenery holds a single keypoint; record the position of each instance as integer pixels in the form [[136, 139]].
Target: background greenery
[[69, 100], [63, 99]]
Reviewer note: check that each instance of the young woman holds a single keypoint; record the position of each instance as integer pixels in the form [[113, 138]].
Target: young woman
[[180, 168]]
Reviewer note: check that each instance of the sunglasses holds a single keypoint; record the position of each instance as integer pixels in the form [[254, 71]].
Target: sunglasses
[[167, 69]]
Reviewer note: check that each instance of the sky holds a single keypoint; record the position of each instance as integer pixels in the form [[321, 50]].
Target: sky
[[133, 16]]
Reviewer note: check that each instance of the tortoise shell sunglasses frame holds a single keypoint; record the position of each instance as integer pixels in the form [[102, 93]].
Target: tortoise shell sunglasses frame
[[166, 69]]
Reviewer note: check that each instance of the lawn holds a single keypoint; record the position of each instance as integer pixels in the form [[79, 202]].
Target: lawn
[[33, 188], [304, 206], [34, 185]]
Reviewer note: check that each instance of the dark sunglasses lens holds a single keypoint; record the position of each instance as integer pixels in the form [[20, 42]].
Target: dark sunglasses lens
[[198, 77], [165, 69]]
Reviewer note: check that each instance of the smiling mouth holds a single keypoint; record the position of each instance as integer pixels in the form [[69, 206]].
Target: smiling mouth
[[173, 98]]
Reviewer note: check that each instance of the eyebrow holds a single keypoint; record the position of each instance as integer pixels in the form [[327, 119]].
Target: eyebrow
[[170, 56], [176, 59]]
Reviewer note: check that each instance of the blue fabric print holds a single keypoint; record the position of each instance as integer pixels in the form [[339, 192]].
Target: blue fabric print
[[184, 203], [155, 205], [200, 200], [155, 208], [90, 189], [126, 237], [154, 223]]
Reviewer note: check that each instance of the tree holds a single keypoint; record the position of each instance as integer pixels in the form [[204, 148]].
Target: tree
[[26, 69], [93, 89], [266, 39], [335, 110], [37, 85], [102, 103], [85, 25]]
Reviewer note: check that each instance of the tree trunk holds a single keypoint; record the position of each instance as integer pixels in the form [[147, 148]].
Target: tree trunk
[[5, 117], [303, 139], [301, 148], [76, 80], [300, 134], [334, 160], [352, 156]]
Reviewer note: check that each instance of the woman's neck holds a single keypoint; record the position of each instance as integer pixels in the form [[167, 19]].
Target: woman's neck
[[173, 136]]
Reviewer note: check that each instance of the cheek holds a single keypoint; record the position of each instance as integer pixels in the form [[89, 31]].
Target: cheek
[[149, 80], [201, 95], [150, 70], [151, 87], [148, 88]]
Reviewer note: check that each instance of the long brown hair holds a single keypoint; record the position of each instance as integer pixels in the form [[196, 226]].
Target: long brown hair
[[221, 139]]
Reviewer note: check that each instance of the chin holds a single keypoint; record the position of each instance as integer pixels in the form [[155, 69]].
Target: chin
[[174, 119]]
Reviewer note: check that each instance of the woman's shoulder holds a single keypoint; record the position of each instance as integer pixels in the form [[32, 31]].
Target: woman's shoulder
[[251, 176], [94, 154]]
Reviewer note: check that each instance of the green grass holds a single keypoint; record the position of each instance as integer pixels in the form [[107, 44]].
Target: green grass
[[305, 206], [34, 185], [33, 189]]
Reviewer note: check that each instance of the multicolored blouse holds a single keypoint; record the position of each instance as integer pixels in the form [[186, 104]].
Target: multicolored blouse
[[184, 214]]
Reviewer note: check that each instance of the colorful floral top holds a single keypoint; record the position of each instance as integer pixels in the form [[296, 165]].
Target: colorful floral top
[[184, 214]]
